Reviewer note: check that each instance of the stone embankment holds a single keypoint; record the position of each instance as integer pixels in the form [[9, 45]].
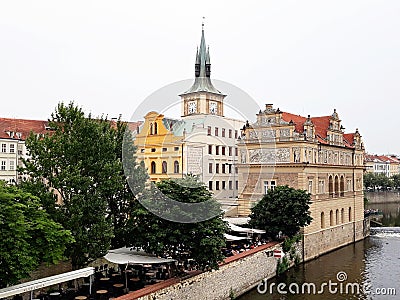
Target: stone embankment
[[382, 197]]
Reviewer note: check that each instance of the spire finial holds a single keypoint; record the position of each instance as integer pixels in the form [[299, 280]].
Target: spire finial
[[202, 23]]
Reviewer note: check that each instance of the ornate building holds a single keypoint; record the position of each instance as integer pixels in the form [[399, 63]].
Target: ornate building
[[314, 154], [203, 142]]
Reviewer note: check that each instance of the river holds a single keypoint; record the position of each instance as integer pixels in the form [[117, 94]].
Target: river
[[373, 263]]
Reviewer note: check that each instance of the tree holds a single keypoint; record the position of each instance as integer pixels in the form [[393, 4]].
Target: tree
[[81, 161], [283, 209], [202, 241], [28, 234]]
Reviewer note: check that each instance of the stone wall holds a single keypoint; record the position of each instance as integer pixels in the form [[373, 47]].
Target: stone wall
[[237, 277], [329, 239], [382, 197]]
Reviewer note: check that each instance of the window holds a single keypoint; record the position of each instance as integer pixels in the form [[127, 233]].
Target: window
[[230, 133], [322, 220], [155, 127], [176, 148], [337, 217], [3, 165], [342, 215], [217, 168], [11, 165], [223, 168], [153, 167], [331, 218], [230, 168], [236, 171], [3, 148], [236, 151], [217, 150], [153, 149], [223, 150], [210, 167], [223, 132], [349, 214], [176, 167], [321, 186], [230, 151], [164, 167], [269, 185], [210, 185], [349, 187], [217, 185], [230, 184], [164, 149], [236, 134], [141, 151], [151, 128], [216, 131], [310, 186], [209, 149], [237, 185], [223, 185], [12, 148], [208, 130]]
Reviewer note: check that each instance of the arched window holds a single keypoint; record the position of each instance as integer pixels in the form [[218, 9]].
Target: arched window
[[176, 167], [153, 167], [342, 186], [151, 128], [164, 167], [337, 217], [336, 186], [330, 186], [155, 127], [349, 214], [331, 218], [322, 220], [342, 215]]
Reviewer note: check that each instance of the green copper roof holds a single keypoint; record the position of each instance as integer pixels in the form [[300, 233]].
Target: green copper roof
[[202, 81]]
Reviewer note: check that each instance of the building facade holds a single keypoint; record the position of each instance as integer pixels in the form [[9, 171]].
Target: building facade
[[13, 133], [202, 142], [313, 154]]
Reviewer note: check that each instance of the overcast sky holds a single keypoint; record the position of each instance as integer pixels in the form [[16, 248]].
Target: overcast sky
[[305, 57]]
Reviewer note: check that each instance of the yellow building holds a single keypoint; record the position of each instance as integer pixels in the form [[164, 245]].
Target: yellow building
[[313, 154], [159, 148]]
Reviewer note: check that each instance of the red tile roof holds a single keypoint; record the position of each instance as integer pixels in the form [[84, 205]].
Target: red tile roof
[[321, 125], [22, 126]]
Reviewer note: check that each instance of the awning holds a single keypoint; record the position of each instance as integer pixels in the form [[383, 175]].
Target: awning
[[236, 228], [43, 282], [234, 238], [131, 256]]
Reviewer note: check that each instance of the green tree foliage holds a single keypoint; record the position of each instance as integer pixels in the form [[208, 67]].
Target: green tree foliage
[[283, 209], [202, 241], [28, 234], [380, 181], [81, 161]]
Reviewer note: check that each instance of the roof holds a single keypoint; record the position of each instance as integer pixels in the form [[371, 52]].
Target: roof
[[127, 255], [21, 128], [321, 125], [44, 282], [202, 82]]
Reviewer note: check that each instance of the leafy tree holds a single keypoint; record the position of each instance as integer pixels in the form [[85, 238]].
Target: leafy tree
[[396, 180], [283, 209], [80, 160], [369, 180], [202, 241], [28, 234]]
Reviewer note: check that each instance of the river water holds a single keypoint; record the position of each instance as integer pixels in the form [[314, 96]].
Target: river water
[[372, 265]]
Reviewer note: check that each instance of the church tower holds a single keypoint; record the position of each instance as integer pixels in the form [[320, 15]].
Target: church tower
[[202, 97]]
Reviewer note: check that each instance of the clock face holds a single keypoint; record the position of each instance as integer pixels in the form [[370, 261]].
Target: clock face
[[213, 107], [192, 107]]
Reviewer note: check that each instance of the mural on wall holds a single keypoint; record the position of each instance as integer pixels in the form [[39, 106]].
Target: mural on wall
[[269, 155]]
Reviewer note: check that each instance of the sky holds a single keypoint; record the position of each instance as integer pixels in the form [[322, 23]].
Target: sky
[[306, 57]]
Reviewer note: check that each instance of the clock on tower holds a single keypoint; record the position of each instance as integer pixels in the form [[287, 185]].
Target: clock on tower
[[192, 107], [213, 108]]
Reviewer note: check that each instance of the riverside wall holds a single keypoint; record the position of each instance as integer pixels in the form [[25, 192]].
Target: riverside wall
[[239, 274], [382, 197]]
